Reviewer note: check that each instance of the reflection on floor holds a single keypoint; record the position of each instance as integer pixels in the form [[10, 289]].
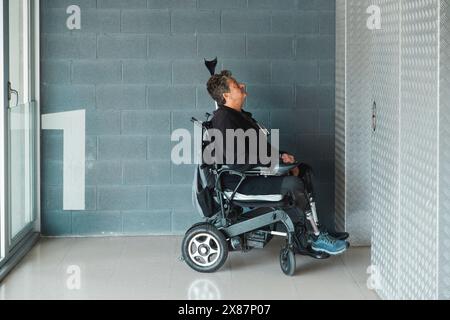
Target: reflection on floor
[[150, 268]]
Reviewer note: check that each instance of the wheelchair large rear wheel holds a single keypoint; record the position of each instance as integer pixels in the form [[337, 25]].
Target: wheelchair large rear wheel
[[204, 248], [287, 261]]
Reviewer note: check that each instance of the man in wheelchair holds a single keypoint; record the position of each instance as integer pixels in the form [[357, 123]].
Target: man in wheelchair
[[282, 199]]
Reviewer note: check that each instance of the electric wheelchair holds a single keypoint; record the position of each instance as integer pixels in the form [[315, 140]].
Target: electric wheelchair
[[239, 222]]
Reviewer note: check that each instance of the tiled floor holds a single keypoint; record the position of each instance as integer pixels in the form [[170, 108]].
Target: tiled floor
[[149, 268]]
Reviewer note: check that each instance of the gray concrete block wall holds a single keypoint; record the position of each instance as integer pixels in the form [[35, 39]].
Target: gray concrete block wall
[[136, 66]]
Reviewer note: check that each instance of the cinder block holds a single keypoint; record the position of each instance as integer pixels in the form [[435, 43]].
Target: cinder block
[[270, 47], [121, 198], [159, 147], [308, 147], [90, 198], [83, 4], [122, 4], [182, 119], [295, 72], [146, 21], [169, 197], [121, 97], [55, 71], [224, 46], [146, 173], [327, 72], [176, 97], [315, 47], [52, 145], [122, 147], [183, 174], [270, 97], [91, 147], [59, 98], [288, 22], [122, 46], [147, 72], [172, 47], [146, 222], [56, 223], [204, 100], [103, 173], [325, 171], [324, 5], [307, 97], [273, 4], [146, 122], [183, 219], [102, 123], [169, 4], [96, 223], [326, 97], [249, 72], [326, 143], [296, 121], [220, 4], [52, 198], [327, 20], [190, 72], [75, 46], [238, 21], [96, 72], [193, 21], [92, 21], [326, 121], [52, 173]]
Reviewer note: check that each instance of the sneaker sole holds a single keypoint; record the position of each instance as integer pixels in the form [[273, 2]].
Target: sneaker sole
[[329, 252]]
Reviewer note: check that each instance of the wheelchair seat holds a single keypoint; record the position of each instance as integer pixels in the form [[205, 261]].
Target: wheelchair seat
[[255, 198], [259, 201]]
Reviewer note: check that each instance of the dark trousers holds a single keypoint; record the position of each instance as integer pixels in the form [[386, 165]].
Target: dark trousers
[[297, 187]]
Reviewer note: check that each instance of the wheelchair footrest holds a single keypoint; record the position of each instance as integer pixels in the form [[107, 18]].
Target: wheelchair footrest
[[308, 251]]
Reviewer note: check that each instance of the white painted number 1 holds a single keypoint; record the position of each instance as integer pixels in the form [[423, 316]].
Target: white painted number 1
[[74, 129]]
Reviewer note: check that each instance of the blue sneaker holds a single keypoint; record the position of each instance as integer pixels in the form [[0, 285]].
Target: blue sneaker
[[325, 243]]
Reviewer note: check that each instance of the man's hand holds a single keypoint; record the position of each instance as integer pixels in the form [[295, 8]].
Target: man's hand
[[287, 158]]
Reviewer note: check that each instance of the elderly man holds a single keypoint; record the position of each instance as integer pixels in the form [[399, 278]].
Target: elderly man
[[230, 96]]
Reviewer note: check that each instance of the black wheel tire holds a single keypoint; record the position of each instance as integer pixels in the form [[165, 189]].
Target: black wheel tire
[[287, 261], [217, 242]]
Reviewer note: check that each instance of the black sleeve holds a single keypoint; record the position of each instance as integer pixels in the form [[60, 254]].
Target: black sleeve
[[235, 123]]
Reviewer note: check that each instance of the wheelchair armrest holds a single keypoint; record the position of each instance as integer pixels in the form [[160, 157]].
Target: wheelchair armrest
[[281, 169]]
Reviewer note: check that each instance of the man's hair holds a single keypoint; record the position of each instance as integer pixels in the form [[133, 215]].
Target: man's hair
[[218, 85]]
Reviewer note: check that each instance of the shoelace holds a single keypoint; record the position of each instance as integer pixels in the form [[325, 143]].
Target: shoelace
[[325, 237]]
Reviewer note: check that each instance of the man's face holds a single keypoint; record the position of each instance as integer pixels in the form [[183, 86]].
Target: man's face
[[237, 94]]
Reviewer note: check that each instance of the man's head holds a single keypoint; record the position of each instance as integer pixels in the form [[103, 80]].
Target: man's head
[[225, 90]]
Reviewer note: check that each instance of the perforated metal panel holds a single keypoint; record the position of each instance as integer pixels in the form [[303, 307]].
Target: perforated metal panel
[[419, 149], [341, 45], [444, 174], [385, 148]]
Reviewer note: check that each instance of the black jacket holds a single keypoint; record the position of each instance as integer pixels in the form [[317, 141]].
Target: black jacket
[[227, 118]]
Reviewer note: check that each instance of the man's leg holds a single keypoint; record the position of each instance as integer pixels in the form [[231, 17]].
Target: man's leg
[[305, 172]]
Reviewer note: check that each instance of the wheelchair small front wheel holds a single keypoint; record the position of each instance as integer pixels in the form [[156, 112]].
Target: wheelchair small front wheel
[[287, 261], [204, 248]]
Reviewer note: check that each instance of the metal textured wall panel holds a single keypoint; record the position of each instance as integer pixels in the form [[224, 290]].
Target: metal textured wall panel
[[385, 148], [444, 147], [341, 50], [419, 149], [358, 102]]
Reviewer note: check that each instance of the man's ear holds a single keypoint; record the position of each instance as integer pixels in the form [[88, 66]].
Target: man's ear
[[226, 96]]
